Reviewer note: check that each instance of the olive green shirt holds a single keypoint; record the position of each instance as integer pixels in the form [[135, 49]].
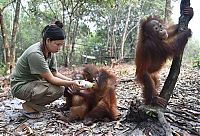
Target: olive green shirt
[[30, 65]]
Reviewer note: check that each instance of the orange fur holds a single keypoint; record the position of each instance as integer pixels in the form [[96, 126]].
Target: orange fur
[[155, 45], [98, 102]]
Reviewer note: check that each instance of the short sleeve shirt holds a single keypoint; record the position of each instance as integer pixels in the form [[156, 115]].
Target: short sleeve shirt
[[30, 65]]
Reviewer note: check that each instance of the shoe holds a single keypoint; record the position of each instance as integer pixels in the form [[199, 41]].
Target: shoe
[[32, 115]]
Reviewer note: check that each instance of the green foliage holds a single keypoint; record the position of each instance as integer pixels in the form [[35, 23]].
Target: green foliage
[[91, 46], [91, 25], [152, 113], [2, 69], [3, 3], [192, 53], [196, 61], [153, 7]]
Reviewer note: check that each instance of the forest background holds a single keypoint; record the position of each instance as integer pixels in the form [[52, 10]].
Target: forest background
[[97, 31]]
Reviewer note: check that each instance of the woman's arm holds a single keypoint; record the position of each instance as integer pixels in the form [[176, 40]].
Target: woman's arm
[[59, 75], [60, 82]]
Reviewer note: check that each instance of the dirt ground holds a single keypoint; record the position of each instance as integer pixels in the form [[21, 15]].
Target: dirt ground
[[183, 107]]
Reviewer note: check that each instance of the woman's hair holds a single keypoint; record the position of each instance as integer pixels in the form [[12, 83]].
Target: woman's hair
[[53, 32]]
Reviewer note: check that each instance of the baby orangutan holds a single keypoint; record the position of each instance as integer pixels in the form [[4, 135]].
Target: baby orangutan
[[96, 103]]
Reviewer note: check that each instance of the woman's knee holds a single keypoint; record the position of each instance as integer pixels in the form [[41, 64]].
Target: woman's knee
[[56, 90]]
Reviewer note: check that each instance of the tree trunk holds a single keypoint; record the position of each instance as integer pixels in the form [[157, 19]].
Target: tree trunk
[[108, 45], [5, 44], [14, 31], [114, 27], [170, 82], [125, 33], [168, 12], [75, 12], [73, 40]]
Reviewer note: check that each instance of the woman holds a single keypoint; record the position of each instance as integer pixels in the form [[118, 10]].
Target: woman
[[35, 78]]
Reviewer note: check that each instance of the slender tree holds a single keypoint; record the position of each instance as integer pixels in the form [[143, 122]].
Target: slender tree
[[125, 32], [168, 12], [171, 80], [6, 45], [14, 32]]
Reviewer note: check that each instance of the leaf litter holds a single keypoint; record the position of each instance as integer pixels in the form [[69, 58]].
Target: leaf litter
[[183, 109]]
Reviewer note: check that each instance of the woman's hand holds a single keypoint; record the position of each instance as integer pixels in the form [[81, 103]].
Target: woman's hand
[[75, 88], [76, 85]]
